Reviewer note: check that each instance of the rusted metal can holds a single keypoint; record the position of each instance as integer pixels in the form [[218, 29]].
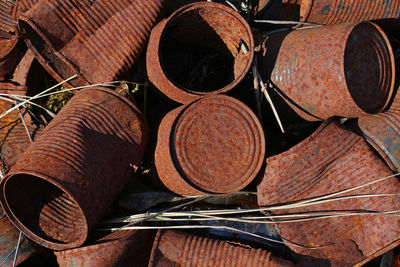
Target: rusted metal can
[[333, 159], [8, 240], [121, 248], [21, 6], [98, 40], [214, 145], [343, 70], [336, 12], [173, 248], [11, 51], [206, 38], [75, 169], [7, 23]]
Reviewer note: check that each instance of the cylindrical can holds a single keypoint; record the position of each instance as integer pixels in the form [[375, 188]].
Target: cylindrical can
[[203, 48], [75, 169], [214, 145], [97, 40], [121, 248], [336, 12], [343, 70], [11, 51], [9, 236], [174, 248], [331, 160]]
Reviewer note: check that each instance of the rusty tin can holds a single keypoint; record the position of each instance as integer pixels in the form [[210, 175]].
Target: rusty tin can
[[330, 160], [8, 240], [174, 248], [118, 249], [11, 51], [21, 6], [75, 169], [7, 23], [201, 37], [343, 70], [214, 145], [98, 40], [336, 12]]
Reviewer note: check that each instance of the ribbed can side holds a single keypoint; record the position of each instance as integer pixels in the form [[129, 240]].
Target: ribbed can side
[[336, 11], [7, 23], [79, 164], [21, 6], [182, 249]]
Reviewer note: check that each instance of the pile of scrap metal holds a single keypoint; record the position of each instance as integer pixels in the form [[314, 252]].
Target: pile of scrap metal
[[200, 133]]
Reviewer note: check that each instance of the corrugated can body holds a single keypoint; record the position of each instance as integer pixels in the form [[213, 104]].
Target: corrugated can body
[[75, 169], [214, 145], [118, 249], [100, 40], [7, 23], [330, 160], [339, 70], [21, 6], [337, 11], [172, 248], [200, 36]]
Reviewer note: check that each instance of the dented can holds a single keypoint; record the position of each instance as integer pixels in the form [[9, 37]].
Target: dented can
[[120, 248], [75, 169], [203, 48], [174, 248], [345, 70], [98, 40], [336, 12], [214, 145], [331, 160]]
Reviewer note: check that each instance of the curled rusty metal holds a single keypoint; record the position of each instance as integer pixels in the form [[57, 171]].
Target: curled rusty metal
[[11, 51], [98, 40], [75, 169], [8, 240], [173, 248], [330, 160], [343, 70], [214, 145], [336, 12], [195, 35], [121, 248]]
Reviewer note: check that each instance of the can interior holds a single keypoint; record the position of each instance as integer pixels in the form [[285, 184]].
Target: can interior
[[44, 209], [201, 49]]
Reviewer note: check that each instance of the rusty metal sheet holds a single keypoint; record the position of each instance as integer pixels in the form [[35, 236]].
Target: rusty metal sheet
[[21, 6], [7, 23], [75, 169], [343, 70], [176, 49], [330, 160], [214, 145], [121, 248], [8, 240], [336, 12], [98, 40], [174, 248], [11, 51]]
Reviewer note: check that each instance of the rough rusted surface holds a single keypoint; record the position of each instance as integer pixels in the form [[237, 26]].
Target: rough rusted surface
[[336, 12], [173, 248], [222, 32], [7, 23], [214, 145], [338, 70], [98, 40], [14, 139], [11, 51], [122, 248], [21, 6], [8, 240], [333, 159], [75, 169]]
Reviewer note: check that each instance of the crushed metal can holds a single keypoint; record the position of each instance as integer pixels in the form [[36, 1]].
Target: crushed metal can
[[21, 6], [214, 145], [7, 23], [174, 248], [9, 236], [206, 38], [120, 248], [11, 51], [345, 70], [75, 169], [331, 160], [98, 40], [335, 12]]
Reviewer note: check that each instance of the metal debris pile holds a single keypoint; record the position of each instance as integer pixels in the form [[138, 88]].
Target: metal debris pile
[[199, 133]]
